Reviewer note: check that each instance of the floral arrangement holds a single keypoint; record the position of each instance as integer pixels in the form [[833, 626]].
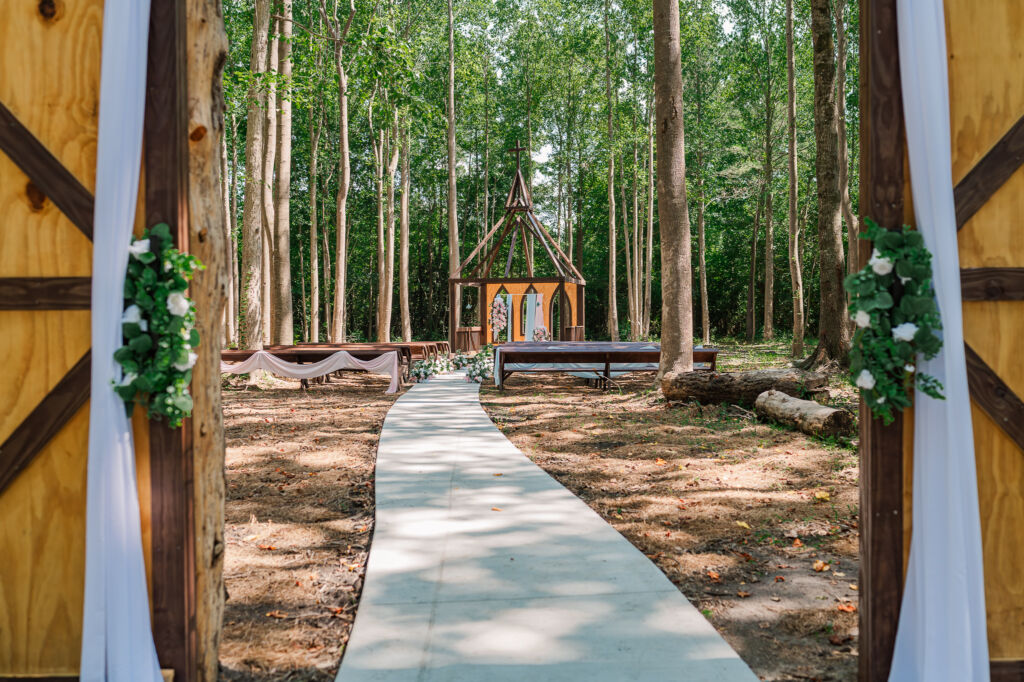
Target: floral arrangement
[[498, 315], [480, 366], [460, 360], [421, 370], [540, 333], [158, 324], [892, 330]]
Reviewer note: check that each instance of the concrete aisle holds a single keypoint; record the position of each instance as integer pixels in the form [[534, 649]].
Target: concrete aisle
[[541, 590]]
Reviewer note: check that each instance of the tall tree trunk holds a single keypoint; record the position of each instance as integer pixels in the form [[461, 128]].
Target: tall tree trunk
[[769, 313], [252, 222], [339, 34], [379, 151], [834, 332], [705, 312], [304, 318], [613, 308], [795, 264], [225, 189], [283, 327], [649, 264], [487, 142], [636, 321], [752, 285], [627, 253], [403, 261], [387, 291], [528, 243], [269, 157], [235, 283], [314, 258], [843, 147], [453, 225], [673, 213]]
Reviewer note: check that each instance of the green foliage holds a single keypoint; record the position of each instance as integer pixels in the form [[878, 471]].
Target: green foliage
[[893, 305], [159, 328]]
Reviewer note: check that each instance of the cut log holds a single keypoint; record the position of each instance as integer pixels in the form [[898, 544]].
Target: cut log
[[806, 415], [741, 388]]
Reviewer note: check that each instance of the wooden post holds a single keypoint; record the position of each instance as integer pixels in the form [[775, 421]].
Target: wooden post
[[166, 195], [882, 198]]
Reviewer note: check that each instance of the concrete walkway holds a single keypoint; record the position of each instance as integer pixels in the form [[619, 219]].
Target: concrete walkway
[[475, 577]]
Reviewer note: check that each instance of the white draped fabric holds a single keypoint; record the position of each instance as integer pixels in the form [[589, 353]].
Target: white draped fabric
[[117, 640], [386, 363], [942, 633]]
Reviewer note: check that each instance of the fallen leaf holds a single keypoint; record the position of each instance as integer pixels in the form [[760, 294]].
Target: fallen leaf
[[839, 640], [821, 496], [743, 524], [854, 588], [848, 608], [776, 598], [276, 614], [267, 547], [497, 474], [495, 508], [798, 543], [820, 566], [780, 579], [660, 462], [714, 576], [742, 595]]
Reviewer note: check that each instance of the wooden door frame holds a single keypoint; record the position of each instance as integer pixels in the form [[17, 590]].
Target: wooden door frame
[[165, 151]]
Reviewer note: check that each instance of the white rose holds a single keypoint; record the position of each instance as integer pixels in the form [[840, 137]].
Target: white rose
[[192, 357], [865, 380], [862, 318], [177, 304], [132, 315], [904, 332], [910, 368], [881, 265], [881, 399], [167, 266], [144, 325], [138, 247]]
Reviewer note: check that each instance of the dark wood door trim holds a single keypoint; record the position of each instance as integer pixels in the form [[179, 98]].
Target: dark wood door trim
[[989, 174], [166, 196], [881, 492], [45, 293], [992, 284], [45, 172], [45, 421], [995, 397]]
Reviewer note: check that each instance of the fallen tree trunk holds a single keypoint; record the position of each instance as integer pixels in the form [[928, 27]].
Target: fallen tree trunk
[[741, 388], [806, 415]]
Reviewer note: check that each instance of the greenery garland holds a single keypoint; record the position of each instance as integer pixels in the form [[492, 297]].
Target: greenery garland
[[893, 330], [159, 328]]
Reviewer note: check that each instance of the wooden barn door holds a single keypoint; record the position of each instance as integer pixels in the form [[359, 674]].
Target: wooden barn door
[[985, 64], [49, 90]]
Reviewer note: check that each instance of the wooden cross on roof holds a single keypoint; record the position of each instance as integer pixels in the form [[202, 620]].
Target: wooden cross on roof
[[517, 150]]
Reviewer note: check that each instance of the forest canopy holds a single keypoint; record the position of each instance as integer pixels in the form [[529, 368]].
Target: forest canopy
[[338, 114]]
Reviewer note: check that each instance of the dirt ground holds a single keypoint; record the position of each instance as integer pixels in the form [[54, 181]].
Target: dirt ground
[[299, 521], [756, 524]]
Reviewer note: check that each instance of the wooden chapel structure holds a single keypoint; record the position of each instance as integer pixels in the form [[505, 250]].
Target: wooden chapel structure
[[562, 294], [985, 64], [50, 54]]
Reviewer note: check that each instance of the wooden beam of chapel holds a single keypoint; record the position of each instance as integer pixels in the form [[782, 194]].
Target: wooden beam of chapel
[[992, 284], [526, 248], [487, 262], [556, 247], [45, 173], [989, 174], [479, 246], [995, 397], [547, 247]]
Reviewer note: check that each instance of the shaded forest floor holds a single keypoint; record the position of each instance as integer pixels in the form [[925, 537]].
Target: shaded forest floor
[[299, 520], [756, 524]]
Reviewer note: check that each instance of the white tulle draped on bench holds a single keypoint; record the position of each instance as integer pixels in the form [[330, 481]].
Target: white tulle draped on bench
[[386, 363]]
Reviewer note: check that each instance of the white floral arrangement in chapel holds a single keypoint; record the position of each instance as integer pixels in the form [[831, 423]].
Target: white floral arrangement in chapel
[[158, 324], [540, 333], [893, 330], [498, 315], [421, 370]]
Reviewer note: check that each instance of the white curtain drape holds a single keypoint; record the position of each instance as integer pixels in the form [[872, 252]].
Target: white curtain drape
[[531, 316], [942, 634], [386, 363], [117, 639]]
